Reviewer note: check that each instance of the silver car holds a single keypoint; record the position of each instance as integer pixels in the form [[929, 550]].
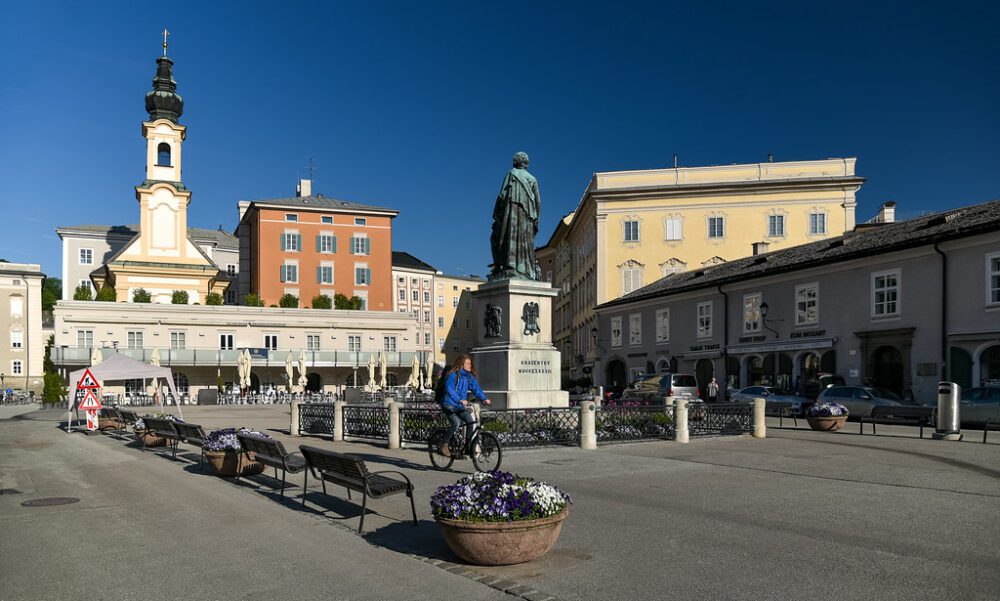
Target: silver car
[[980, 404], [771, 394], [860, 400]]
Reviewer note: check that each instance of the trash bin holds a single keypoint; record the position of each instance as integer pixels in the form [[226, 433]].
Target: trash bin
[[949, 424]]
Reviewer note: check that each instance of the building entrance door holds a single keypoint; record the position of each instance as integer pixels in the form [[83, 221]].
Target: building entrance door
[[887, 369]]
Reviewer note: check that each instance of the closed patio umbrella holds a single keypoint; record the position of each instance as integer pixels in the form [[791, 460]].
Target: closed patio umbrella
[[381, 370], [428, 383], [302, 369], [289, 372], [154, 360], [415, 373], [371, 372]]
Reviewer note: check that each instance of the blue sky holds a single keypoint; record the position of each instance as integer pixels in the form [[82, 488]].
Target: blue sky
[[420, 106]]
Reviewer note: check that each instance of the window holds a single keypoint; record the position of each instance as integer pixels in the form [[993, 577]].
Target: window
[[354, 343], [630, 231], [454, 345], [271, 342], [362, 276], [817, 223], [85, 339], [226, 342], [181, 383], [87, 284], [885, 293], [807, 304], [631, 278], [993, 279], [414, 282], [427, 338], [440, 301], [324, 274], [468, 302], [635, 329], [705, 320], [468, 324], [427, 316], [616, 331], [163, 155], [675, 228], [416, 296], [363, 295], [231, 296], [402, 294], [326, 243], [716, 227], [17, 339], [134, 339], [454, 302], [360, 221], [361, 245], [291, 217], [16, 306], [441, 343], [440, 322], [673, 265], [178, 341], [427, 296], [86, 256], [775, 225], [230, 270], [289, 273], [427, 283], [389, 344], [15, 367], [326, 219], [291, 242], [751, 313], [312, 342], [662, 326]]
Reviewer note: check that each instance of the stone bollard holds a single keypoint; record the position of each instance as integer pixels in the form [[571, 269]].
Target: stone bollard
[[588, 421], [597, 400], [293, 426], [681, 420], [338, 421], [394, 432], [759, 426]]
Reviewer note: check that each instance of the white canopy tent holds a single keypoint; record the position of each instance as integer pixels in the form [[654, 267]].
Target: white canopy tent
[[119, 367]]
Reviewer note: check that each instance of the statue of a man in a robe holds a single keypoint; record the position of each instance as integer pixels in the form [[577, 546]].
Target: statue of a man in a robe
[[515, 223]]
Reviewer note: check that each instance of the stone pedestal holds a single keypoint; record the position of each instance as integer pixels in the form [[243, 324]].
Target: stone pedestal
[[516, 365]]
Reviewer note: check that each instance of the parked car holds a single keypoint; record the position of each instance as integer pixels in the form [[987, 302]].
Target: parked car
[[771, 394], [860, 400], [979, 404], [677, 385], [823, 381]]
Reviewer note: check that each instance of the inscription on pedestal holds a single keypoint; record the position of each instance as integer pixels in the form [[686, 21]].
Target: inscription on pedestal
[[534, 366]]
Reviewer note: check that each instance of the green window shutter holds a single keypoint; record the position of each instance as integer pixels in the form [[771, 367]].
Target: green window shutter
[[282, 238], [319, 246], [334, 247], [281, 271], [368, 276], [368, 246], [319, 275], [298, 242]]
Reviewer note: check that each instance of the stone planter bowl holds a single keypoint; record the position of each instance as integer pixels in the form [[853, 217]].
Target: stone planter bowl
[[827, 424], [229, 464], [149, 440], [502, 543]]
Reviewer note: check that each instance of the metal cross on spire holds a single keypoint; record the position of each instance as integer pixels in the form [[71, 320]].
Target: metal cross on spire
[[165, 34]]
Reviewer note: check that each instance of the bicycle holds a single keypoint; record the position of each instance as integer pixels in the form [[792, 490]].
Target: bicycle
[[486, 454]]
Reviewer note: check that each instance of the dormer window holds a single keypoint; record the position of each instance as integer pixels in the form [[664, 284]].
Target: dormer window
[[163, 155]]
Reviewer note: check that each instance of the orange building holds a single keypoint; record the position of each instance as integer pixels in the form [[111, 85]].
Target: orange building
[[311, 244]]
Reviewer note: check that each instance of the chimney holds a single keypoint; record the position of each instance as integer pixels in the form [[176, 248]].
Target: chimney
[[770, 157], [675, 161], [243, 206], [305, 188], [887, 213], [760, 248]]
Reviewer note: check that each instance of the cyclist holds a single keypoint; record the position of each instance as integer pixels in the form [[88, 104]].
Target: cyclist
[[458, 382]]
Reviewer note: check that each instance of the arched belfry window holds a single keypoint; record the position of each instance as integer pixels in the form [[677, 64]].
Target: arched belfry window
[[163, 155]]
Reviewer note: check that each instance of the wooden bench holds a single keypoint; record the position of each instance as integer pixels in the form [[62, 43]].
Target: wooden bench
[[192, 434], [163, 428], [271, 452], [992, 423], [350, 472], [912, 415]]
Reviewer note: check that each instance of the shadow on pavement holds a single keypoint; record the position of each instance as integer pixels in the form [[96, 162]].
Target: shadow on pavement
[[423, 539]]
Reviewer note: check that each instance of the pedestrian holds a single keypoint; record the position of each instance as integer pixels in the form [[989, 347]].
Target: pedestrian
[[713, 391], [456, 385]]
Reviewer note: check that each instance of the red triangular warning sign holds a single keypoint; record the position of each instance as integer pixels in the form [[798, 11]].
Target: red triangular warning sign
[[90, 401], [88, 380]]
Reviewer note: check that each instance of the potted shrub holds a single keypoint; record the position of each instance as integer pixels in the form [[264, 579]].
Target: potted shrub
[[498, 518], [148, 439], [223, 451], [826, 416]]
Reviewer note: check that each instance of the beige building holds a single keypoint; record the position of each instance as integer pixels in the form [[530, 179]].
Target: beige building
[[22, 344], [554, 259], [413, 294], [632, 228], [455, 321], [201, 343]]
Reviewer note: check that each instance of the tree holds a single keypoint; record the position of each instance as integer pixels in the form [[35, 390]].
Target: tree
[[51, 293], [341, 301], [83, 293], [322, 302], [53, 387], [179, 297], [213, 298], [288, 301], [141, 295], [106, 294], [253, 300]]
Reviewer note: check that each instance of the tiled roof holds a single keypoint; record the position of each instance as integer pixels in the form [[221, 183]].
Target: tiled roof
[[405, 259], [318, 201], [219, 237], [864, 241]]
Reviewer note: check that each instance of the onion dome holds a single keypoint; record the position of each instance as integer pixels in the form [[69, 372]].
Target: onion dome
[[163, 101]]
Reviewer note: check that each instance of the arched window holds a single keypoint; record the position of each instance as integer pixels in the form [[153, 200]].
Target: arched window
[[163, 155], [181, 383]]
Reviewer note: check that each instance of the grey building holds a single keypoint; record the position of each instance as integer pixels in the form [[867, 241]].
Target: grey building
[[901, 305]]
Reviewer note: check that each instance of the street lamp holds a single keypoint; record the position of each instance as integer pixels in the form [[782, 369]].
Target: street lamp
[[763, 315], [593, 334]]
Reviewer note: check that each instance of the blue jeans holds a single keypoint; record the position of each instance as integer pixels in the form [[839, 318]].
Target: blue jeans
[[456, 417]]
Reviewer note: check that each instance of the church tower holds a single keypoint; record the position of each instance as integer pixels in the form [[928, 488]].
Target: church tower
[[161, 258]]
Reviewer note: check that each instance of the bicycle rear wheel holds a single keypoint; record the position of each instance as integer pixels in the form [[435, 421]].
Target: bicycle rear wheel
[[433, 445], [486, 452]]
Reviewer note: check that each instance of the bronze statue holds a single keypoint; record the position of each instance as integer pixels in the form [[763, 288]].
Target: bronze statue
[[515, 223]]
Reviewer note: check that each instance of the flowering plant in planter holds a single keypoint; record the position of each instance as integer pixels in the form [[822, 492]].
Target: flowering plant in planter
[[826, 410], [225, 439], [498, 496], [141, 425]]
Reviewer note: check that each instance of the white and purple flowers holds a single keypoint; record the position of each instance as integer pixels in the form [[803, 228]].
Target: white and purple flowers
[[826, 410], [225, 439], [497, 497]]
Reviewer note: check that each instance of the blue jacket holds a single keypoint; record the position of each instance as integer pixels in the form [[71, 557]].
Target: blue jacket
[[458, 385]]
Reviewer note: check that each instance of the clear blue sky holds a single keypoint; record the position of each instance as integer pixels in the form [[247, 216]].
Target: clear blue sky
[[419, 106]]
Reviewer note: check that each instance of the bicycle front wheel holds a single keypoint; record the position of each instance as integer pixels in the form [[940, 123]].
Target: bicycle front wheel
[[433, 446], [486, 452]]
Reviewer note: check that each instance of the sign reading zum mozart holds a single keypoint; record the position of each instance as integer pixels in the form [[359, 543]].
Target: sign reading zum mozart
[[534, 366]]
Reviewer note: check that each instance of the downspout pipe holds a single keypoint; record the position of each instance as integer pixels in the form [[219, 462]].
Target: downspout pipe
[[725, 339], [944, 311]]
